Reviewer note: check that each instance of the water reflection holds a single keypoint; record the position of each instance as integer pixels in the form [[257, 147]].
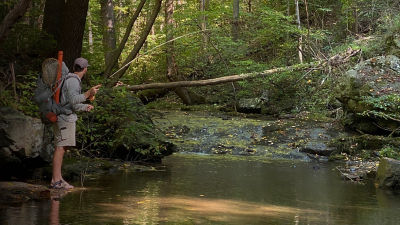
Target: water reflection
[[178, 209], [54, 212], [215, 191]]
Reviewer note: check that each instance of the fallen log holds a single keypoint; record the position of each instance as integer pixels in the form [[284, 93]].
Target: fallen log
[[331, 62]]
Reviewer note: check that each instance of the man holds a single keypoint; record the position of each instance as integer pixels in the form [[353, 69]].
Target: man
[[65, 127]]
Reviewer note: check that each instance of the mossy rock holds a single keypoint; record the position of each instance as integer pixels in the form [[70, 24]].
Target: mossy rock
[[356, 144], [388, 175], [369, 94]]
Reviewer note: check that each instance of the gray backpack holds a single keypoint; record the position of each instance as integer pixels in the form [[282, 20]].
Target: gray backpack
[[49, 109]]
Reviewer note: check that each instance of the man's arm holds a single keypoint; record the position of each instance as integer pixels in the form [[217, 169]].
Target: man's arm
[[74, 95], [80, 107]]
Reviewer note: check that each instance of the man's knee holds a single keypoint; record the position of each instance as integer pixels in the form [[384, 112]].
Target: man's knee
[[60, 148]]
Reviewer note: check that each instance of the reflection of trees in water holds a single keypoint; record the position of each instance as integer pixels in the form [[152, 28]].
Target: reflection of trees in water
[[148, 206], [30, 213]]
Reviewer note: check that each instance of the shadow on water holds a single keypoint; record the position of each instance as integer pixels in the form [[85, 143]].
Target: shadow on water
[[205, 189]]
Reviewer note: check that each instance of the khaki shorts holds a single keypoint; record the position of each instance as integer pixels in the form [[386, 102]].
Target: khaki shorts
[[64, 133]]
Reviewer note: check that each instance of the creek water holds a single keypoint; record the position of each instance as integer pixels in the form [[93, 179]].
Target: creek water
[[213, 189]]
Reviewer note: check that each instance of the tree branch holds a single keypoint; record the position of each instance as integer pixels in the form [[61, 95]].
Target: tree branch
[[12, 17], [118, 51], [140, 42]]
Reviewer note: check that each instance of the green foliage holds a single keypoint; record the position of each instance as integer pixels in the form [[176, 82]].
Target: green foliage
[[119, 127], [390, 152], [22, 101], [385, 106]]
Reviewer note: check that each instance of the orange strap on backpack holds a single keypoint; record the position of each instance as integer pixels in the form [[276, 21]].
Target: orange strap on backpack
[[57, 94]]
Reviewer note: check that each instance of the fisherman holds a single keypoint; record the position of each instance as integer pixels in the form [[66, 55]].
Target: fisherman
[[65, 127]]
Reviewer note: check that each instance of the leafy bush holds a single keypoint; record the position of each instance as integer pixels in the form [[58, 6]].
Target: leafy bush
[[385, 107], [119, 127], [21, 100], [390, 152]]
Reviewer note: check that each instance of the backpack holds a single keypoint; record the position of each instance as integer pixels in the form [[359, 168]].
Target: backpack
[[43, 96]]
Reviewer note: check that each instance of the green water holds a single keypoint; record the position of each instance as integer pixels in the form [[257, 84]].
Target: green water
[[201, 189]]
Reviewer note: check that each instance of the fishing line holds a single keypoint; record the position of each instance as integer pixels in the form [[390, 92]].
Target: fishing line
[[145, 53]]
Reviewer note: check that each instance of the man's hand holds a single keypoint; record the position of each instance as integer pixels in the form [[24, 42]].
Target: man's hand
[[90, 107], [92, 92]]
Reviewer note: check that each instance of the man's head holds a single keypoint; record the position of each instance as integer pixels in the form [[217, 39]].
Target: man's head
[[80, 65]]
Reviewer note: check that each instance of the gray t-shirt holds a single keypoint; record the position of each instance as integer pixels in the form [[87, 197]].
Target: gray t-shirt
[[71, 94]]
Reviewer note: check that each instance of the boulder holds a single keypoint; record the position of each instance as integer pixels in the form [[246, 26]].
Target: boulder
[[253, 105], [25, 132], [249, 105], [317, 142], [370, 95], [25, 142], [388, 175], [317, 148]]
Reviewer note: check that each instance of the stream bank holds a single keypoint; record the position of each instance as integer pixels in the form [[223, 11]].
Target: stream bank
[[305, 137]]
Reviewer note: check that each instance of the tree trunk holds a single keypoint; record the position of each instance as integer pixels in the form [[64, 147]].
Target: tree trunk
[[109, 39], [308, 19], [73, 28], [12, 17], [66, 22], [355, 18], [52, 19], [90, 33], [115, 56], [299, 26], [215, 81], [203, 21], [172, 69], [235, 22], [333, 61], [139, 43]]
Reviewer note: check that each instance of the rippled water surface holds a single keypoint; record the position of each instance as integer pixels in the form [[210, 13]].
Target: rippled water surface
[[199, 189]]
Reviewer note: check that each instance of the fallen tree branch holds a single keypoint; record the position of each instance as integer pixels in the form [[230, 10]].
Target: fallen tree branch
[[333, 61]]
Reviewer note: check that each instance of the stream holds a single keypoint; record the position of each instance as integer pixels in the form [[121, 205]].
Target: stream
[[206, 187]]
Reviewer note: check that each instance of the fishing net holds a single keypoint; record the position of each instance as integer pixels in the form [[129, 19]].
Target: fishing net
[[49, 69]]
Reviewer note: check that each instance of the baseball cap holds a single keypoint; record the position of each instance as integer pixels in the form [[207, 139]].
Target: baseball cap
[[81, 62]]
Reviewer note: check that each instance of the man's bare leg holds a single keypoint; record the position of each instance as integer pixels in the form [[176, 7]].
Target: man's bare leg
[[57, 163]]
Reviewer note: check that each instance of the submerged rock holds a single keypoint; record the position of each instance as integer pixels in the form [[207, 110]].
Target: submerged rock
[[388, 175], [370, 95]]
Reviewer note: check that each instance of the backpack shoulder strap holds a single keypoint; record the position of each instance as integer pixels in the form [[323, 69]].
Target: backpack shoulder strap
[[64, 80]]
